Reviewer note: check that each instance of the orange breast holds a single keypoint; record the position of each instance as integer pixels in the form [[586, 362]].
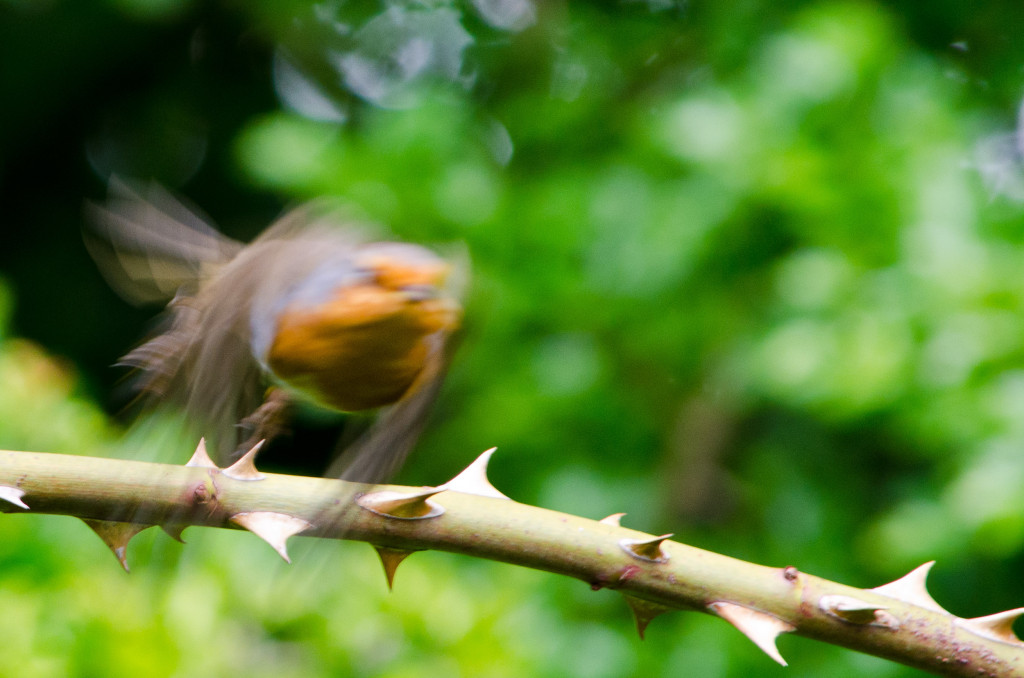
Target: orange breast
[[361, 350]]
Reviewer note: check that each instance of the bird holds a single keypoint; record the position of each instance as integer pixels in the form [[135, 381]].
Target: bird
[[314, 310]]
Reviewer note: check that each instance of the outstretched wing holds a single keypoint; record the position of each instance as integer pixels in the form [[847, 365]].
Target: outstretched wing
[[149, 246]]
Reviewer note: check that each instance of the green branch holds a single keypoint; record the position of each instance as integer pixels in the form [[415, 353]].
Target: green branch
[[899, 621]]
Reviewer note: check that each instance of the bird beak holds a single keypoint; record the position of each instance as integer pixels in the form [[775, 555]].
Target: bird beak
[[419, 292]]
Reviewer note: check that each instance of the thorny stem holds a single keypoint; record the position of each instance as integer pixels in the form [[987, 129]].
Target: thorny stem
[[899, 622]]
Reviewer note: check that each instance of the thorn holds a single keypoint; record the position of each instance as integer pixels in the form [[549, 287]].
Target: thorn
[[273, 528], [403, 506], [174, 531], [245, 467], [912, 589], [997, 626], [116, 535], [760, 627], [13, 495], [646, 549], [614, 519], [853, 610], [473, 479], [391, 558], [200, 457], [644, 611]]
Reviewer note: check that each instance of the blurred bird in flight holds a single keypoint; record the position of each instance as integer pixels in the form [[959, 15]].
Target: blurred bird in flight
[[312, 310]]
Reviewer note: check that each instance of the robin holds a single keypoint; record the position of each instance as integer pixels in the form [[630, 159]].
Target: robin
[[314, 308]]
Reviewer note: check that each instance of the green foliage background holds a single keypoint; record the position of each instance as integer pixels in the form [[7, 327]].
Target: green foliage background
[[751, 272]]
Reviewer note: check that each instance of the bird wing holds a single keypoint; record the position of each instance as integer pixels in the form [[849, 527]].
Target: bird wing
[[149, 246]]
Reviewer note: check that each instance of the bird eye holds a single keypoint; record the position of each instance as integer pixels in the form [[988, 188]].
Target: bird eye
[[362, 274]]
